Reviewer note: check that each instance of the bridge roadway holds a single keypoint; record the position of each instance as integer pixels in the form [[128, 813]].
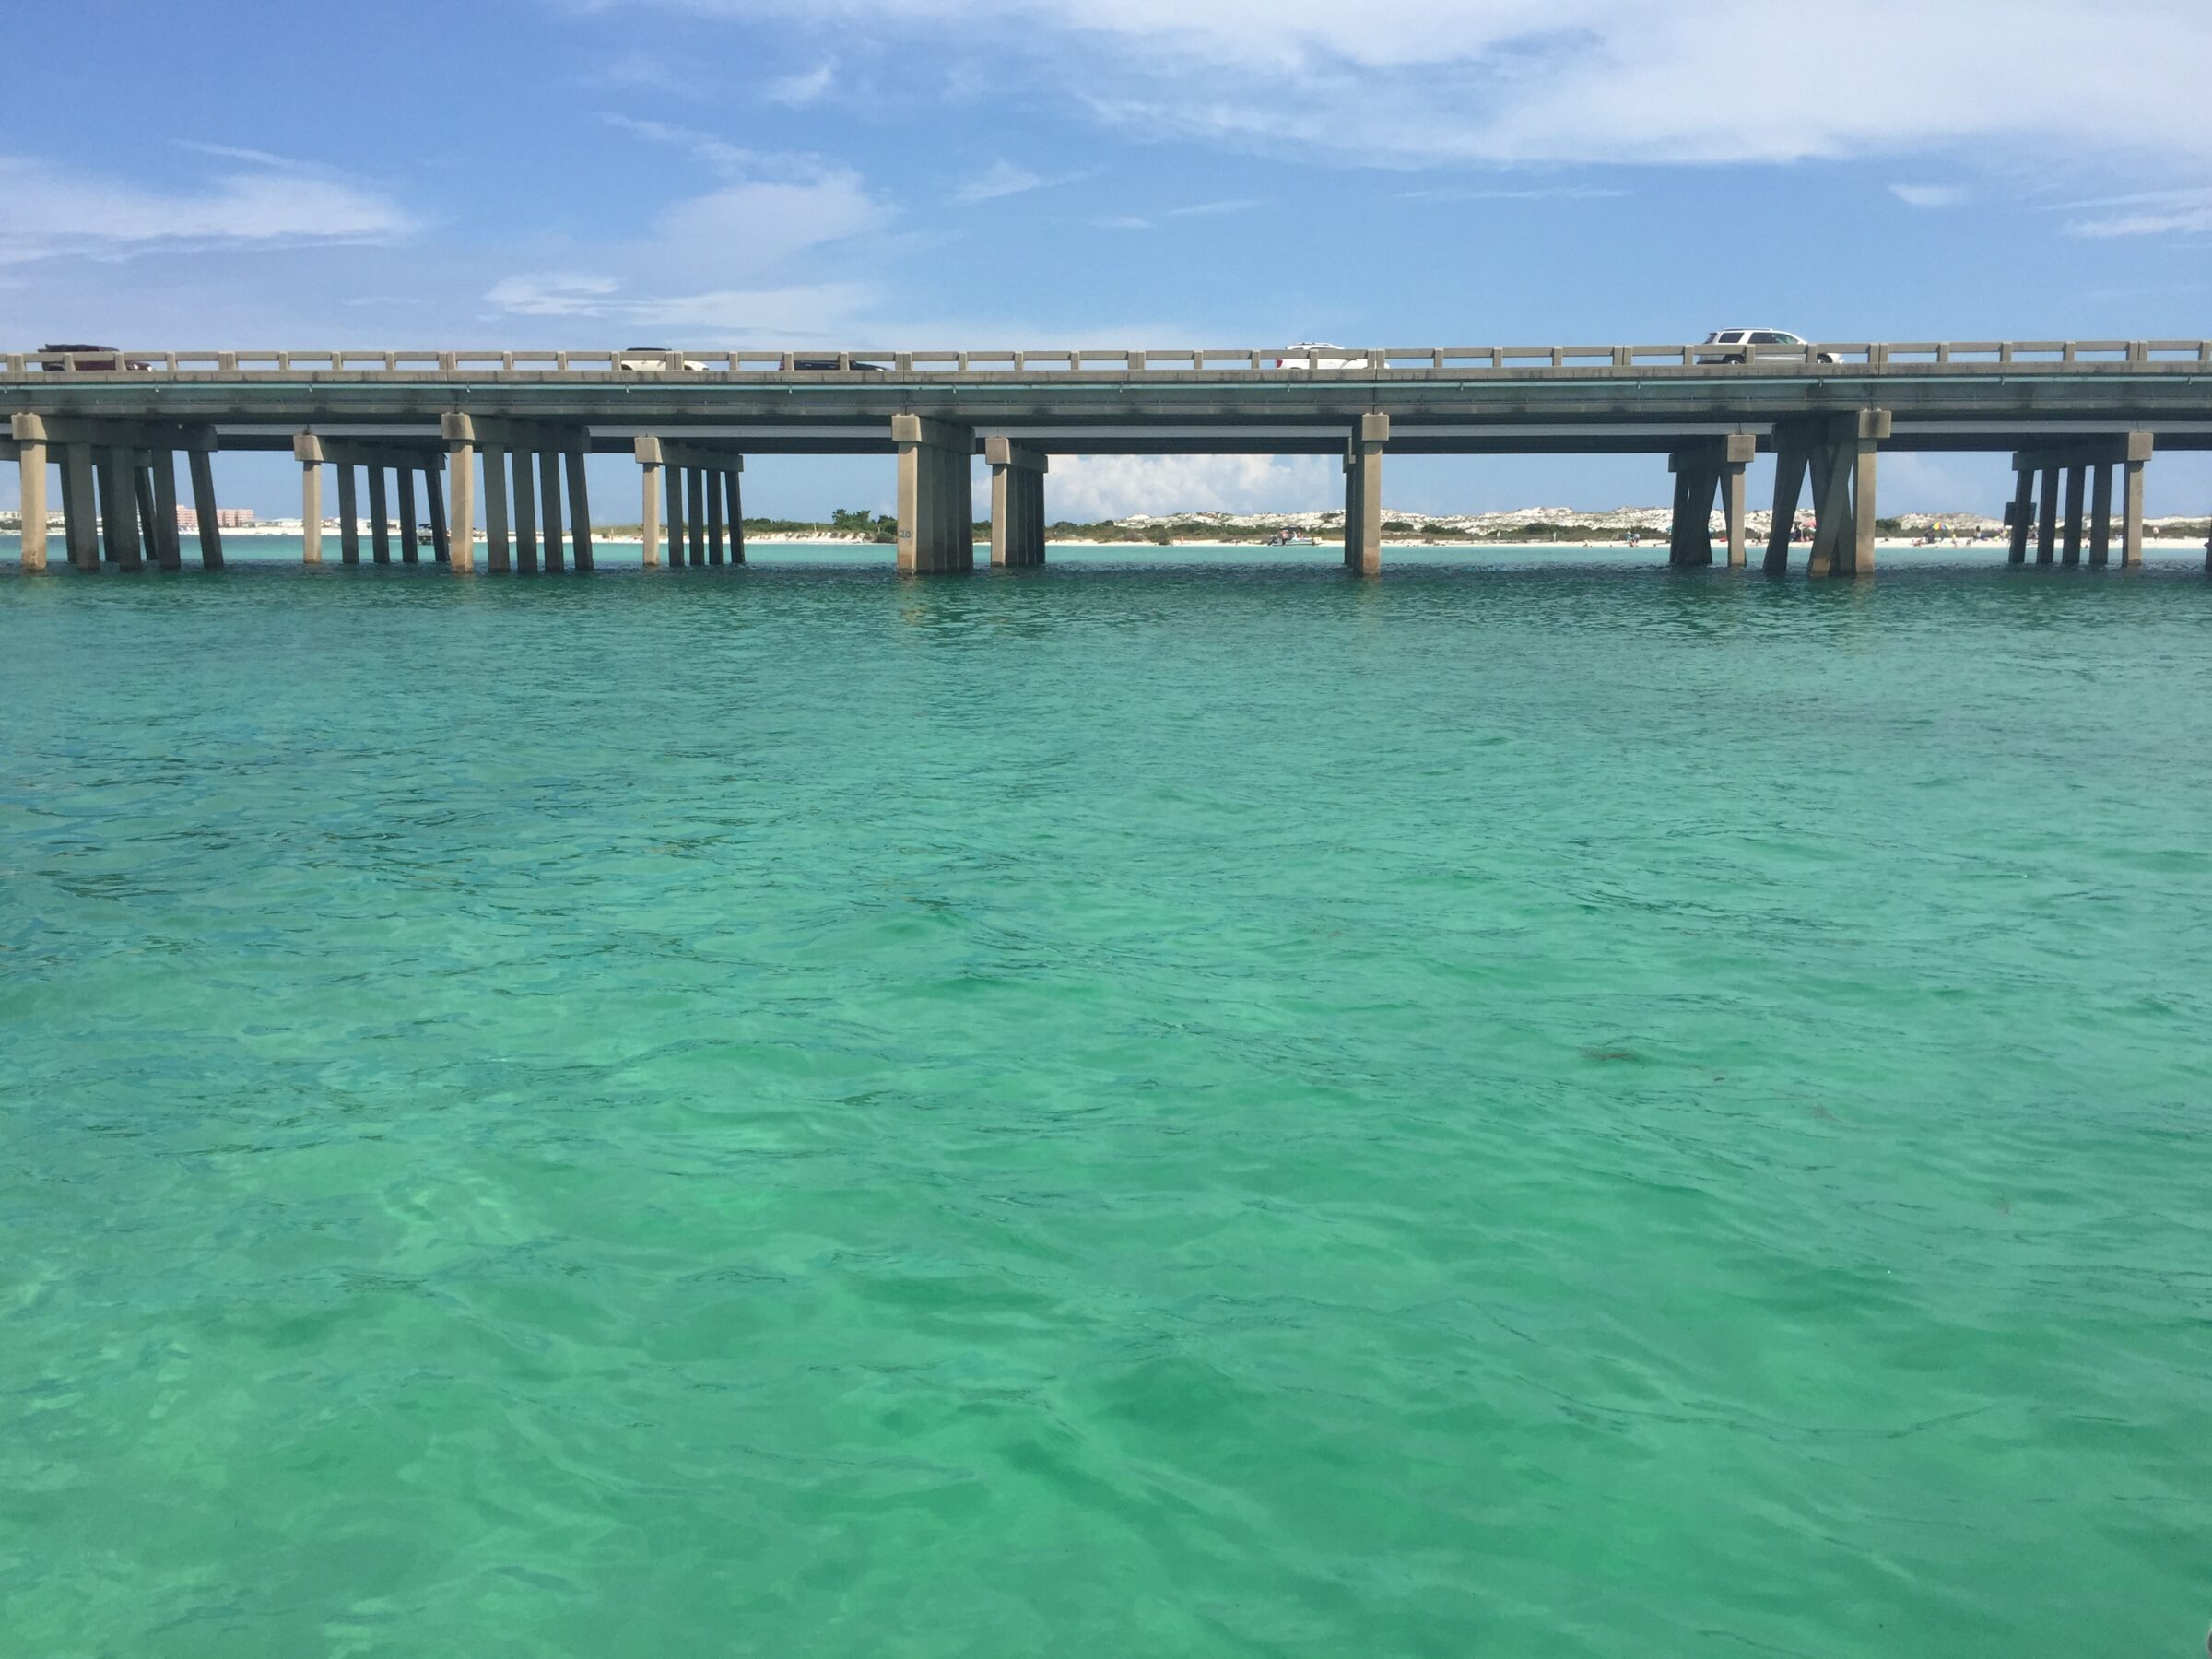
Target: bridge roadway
[[509, 428]]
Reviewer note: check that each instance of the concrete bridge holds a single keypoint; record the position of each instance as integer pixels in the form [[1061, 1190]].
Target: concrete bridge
[[2081, 419]]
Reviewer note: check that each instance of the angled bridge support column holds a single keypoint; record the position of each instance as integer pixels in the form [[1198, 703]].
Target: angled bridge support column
[[1837, 453], [1710, 466]]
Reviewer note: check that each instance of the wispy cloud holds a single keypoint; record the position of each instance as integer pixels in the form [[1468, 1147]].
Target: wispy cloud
[[2146, 213], [1536, 193], [758, 231], [1414, 82], [805, 86], [645, 72], [1152, 221], [718, 153], [1002, 178], [1214, 210], [1929, 195], [47, 209]]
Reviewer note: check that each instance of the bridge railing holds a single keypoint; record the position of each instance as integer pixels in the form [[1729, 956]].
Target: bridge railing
[[1451, 361]]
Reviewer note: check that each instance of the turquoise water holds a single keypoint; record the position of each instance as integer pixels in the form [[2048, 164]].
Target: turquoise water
[[1212, 1109]]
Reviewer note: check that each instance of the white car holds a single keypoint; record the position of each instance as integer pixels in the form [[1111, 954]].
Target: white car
[[1748, 343], [649, 359], [1323, 357]]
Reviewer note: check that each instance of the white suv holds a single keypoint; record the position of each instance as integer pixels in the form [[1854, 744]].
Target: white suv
[[1749, 343], [1324, 356]]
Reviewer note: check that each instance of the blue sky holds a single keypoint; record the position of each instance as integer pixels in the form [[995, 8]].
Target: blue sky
[[1119, 172]]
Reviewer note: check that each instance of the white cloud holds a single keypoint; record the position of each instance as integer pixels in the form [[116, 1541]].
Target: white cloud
[[1631, 81], [1088, 488], [756, 234], [805, 88], [47, 211], [554, 294], [1213, 209], [2147, 213], [1929, 195], [1002, 178]]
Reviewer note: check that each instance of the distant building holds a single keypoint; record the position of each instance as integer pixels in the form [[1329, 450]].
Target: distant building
[[226, 518]]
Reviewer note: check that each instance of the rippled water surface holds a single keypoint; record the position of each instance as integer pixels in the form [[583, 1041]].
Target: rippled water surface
[[1186, 1110]]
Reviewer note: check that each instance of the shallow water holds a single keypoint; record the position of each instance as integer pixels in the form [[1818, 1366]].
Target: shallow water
[[1208, 1109]]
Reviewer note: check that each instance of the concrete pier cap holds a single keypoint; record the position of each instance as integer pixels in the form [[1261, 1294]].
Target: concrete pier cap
[[1004, 451]]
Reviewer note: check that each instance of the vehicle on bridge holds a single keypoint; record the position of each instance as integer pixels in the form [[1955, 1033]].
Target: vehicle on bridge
[[1748, 343], [1316, 353], [649, 359], [87, 358]]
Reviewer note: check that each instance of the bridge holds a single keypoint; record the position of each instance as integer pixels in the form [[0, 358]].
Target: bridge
[[510, 428]]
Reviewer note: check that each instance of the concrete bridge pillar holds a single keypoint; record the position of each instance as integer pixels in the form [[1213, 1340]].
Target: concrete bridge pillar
[[2134, 452], [648, 452], [28, 432], [525, 512], [2091, 462], [2076, 478], [2101, 514], [580, 554], [349, 516], [710, 482], [733, 490], [30, 437], [1837, 454], [1363, 495], [433, 504], [548, 491], [80, 525], [2019, 513], [460, 434], [118, 472], [142, 497], [307, 449], [936, 502], [1792, 461], [705, 505], [168, 541], [1017, 503], [1736, 449], [380, 515], [1690, 538], [1702, 469], [410, 547], [496, 555], [674, 490]]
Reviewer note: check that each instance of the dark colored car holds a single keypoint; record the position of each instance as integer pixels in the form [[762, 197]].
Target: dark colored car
[[92, 359]]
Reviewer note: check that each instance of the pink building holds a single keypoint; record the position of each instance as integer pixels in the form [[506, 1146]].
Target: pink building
[[226, 518]]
